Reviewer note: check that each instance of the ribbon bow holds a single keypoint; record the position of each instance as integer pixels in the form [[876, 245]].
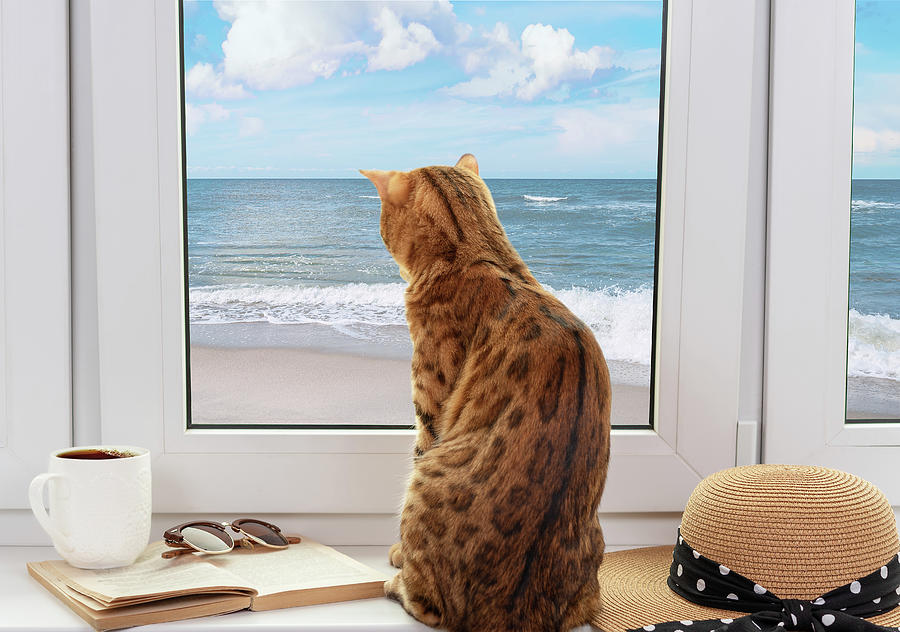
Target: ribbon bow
[[708, 583]]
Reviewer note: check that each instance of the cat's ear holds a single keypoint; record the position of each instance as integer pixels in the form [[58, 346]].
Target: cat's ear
[[468, 161], [393, 186]]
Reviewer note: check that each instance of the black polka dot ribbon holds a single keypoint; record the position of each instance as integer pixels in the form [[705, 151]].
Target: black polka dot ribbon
[[708, 583]]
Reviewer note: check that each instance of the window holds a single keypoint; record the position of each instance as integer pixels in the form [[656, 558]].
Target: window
[[873, 354], [762, 245], [296, 309], [821, 366], [708, 352]]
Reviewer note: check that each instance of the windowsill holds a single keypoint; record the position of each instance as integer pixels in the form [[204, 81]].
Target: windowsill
[[34, 608], [31, 607]]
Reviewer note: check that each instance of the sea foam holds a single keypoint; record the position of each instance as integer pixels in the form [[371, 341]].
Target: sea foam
[[874, 346], [361, 303], [873, 204], [541, 198], [620, 319]]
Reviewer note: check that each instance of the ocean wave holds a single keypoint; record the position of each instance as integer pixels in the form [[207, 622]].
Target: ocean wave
[[873, 348], [541, 198], [873, 204], [375, 304], [620, 319], [369, 197]]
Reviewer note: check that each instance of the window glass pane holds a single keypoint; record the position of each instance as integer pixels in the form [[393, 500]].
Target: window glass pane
[[873, 353], [295, 307]]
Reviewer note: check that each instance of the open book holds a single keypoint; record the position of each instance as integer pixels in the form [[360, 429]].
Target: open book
[[154, 590]]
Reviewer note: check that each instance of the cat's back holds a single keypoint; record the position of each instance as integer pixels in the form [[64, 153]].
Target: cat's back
[[527, 454], [528, 352]]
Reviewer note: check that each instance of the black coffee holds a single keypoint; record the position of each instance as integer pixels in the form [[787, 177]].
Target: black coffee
[[92, 454]]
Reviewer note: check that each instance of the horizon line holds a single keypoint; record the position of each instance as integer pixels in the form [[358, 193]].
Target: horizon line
[[364, 179], [483, 178]]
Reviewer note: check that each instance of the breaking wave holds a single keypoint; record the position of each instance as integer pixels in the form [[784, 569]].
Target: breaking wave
[[620, 319], [541, 198]]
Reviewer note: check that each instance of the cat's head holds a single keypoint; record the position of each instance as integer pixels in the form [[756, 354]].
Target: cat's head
[[433, 216]]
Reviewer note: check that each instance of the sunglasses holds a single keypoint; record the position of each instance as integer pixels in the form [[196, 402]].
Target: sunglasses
[[204, 536]]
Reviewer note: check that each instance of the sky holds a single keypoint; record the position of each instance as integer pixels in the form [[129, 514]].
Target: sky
[[322, 89], [534, 89], [876, 98]]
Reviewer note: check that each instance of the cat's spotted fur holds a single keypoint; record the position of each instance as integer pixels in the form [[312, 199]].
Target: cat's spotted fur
[[499, 528]]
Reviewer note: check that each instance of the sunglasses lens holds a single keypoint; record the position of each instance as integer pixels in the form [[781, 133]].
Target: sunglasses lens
[[207, 538], [262, 534]]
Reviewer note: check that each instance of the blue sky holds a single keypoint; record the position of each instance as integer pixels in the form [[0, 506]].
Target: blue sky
[[321, 89], [876, 99], [534, 89]]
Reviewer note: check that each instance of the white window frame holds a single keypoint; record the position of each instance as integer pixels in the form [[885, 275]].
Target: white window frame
[[709, 349], [35, 394], [810, 161]]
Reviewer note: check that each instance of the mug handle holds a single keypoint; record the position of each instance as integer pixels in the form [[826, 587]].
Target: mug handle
[[36, 498]]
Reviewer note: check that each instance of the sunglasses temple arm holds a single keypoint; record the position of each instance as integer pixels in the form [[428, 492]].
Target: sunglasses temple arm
[[247, 543], [175, 553]]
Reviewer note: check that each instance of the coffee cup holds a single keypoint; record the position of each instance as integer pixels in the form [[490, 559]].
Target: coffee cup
[[99, 504]]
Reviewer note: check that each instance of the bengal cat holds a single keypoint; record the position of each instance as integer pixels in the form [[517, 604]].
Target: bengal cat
[[499, 527]]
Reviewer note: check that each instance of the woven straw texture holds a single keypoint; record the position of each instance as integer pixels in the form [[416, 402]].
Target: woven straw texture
[[799, 531]]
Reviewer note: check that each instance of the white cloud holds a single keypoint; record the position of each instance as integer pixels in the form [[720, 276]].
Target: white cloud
[[196, 115], [501, 80], [867, 141], [495, 46], [543, 60], [278, 45], [400, 47], [610, 126], [876, 130], [516, 139], [204, 82], [193, 117], [637, 60], [216, 112], [501, 58], [555, 59], [251, 126], [876, 107]]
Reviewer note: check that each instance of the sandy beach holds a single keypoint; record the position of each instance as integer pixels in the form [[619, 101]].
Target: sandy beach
[[240, 385], [873, 398], [257, 373]]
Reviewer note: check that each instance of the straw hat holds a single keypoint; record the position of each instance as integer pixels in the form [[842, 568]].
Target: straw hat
[[800, 531]]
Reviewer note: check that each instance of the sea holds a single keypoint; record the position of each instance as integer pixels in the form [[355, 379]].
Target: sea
[[300, 262]]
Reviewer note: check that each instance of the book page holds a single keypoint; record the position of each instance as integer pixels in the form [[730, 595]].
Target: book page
[[150, 577], [45, 573], [103, 618], [299, 567]]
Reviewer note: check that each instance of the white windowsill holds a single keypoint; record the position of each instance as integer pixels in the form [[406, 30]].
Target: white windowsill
[[30, 607]]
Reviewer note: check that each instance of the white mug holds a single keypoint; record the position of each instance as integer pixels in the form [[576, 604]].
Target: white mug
[[99, 507]]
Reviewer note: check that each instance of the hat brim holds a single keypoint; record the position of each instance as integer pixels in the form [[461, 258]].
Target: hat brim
[[634, 594]]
